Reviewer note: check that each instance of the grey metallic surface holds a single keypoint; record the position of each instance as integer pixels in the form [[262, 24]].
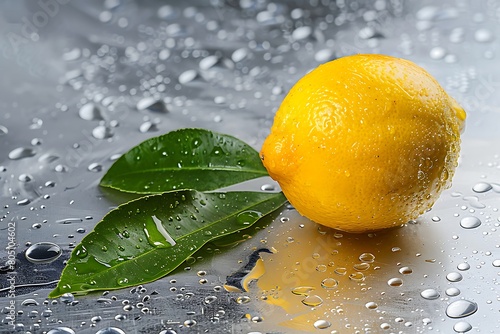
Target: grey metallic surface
[[78, 78]]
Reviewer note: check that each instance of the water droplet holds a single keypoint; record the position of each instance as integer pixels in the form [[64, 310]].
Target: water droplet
[[405, 270], [267, 187], [371, 305], [301, 33], [385, 325], [340, 271], [210, 299], [148, 126], [239, 55], [208, 62], [483, 35], [461, 308], [322, 324], [357, 277], [462, 327], [361, 266], [323, 55], [94, 167], [29, 302], [61, 330], [67, 298], [25, 178], [430, 294], [189, 323], [43, 252], [111, 330], [329, 283], [367, 257], [243, 300], [302, 290], [452, 292], [187, 76], [482, 187], [73, 54], [395, 281], [313, 301], [454, 277], [168, 331], [151, 104], [3, 130], [102, 132], [90, 112], [21, 153], [437, 52], [496, 263], [463, 266], [96, 319], [470, 222]]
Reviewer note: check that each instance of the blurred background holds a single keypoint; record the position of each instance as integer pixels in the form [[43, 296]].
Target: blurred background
[[84, 81]]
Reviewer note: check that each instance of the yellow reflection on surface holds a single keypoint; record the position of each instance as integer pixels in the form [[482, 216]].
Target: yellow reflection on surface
[[320, 276]]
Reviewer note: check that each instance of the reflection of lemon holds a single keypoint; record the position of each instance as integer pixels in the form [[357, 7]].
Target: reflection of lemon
[[364, 142]]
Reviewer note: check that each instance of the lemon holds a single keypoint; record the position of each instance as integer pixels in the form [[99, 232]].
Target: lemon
[[364, 142]]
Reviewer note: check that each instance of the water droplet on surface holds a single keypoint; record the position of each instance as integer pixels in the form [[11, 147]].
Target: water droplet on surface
[[482, 187], [110, 330], [461, 308], [313, 301], [301, 33], [357, 277], [102, 132], [496, 263], [61, 330], [371, 305], [329, 283], [437, 53], [67, 298], [189, 323], [239, 55], [395, 281], [208, 62], [483, 35], [187, 76], [452, 292], [462, 327], [323, 55], [25, 178], [151, 104], [3, 130], [243, 300], [95, 167], [367, 257], [454, 277], [148, 126], [322, 324], [90, 112], [29, 302], [463, 266], [43, 252], [430, 294], [361, 266], [21, 153], [470, 222], [405, 270]]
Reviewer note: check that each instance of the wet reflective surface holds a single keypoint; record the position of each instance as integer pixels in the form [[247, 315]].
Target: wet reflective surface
[[82, 82]]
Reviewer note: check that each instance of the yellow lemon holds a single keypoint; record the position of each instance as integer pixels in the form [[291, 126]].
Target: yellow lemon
[[364, 142]]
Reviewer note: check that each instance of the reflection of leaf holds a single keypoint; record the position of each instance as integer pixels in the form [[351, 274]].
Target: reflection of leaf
[[147, 238], [184, 159]]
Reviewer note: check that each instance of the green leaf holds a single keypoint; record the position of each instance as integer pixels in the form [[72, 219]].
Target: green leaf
[[147, 238], [184, 159]]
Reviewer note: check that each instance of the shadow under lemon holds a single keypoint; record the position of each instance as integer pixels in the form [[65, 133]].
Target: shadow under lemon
[[319, 277]]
